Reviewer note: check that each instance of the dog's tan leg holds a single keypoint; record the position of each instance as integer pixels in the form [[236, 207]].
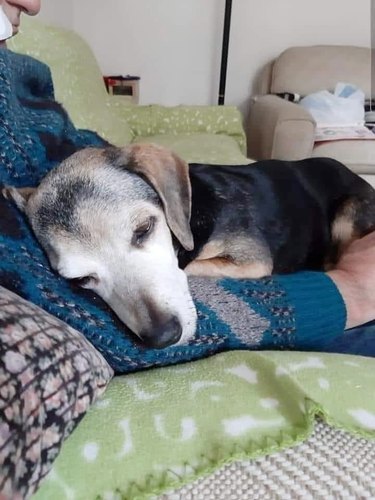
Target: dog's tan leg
[[343, 233], [223, 268]]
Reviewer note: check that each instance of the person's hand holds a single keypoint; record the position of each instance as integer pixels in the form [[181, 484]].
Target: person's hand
[[354, 276]]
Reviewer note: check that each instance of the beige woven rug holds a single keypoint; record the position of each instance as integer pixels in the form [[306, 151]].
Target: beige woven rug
[[331, 464]]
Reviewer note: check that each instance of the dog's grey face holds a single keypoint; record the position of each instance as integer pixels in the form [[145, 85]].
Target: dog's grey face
[[106, 228]]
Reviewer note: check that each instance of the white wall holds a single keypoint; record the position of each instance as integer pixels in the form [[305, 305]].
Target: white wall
[[175, 45], [261, 32], [171, 44], [58, 12]]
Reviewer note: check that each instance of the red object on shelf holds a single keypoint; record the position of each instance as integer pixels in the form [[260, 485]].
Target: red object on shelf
[[112, 80], [123, 85]]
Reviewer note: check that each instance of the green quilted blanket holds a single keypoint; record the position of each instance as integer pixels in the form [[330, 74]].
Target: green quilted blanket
[[159, 429]]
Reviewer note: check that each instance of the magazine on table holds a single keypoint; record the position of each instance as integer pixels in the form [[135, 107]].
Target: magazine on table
[[337, 133]]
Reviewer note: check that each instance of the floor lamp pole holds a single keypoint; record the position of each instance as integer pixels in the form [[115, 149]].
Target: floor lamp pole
[[224, 51]]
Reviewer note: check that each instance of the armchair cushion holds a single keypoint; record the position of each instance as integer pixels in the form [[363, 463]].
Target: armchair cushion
[[358, 155], [304, 70], [279, 129]]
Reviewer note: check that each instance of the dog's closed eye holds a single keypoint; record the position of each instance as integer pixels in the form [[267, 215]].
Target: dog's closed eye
[[143, 231]]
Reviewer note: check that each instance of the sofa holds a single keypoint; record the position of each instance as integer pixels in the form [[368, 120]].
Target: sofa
[[209, 134], [278, 128], [236, 425]]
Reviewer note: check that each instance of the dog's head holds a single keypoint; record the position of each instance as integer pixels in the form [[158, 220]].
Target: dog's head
[[105, 218]]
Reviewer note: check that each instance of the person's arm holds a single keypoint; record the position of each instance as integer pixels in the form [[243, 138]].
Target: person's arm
[[354, 277], [304, 310], [325, 304]]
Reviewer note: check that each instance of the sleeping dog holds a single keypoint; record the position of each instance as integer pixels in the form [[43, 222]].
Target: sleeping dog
[[131, 223]]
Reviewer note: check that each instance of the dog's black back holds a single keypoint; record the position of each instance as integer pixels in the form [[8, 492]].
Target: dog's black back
[[290, 207]]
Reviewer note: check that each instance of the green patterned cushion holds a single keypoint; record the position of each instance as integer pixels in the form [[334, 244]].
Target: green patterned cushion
[[148, 121], [201, 147], [158, 429]]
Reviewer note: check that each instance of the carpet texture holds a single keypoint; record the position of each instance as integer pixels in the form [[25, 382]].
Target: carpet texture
[[330, 464]]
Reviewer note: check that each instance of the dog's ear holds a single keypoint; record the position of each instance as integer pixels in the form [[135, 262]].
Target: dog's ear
[[169, 176], [20, 196]]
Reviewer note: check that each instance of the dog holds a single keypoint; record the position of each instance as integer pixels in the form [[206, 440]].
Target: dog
[[131, 223]]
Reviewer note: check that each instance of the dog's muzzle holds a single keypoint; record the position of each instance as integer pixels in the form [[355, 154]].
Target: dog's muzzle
[[163, 335]]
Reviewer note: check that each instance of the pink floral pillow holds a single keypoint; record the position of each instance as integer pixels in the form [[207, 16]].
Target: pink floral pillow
[[49, 377]]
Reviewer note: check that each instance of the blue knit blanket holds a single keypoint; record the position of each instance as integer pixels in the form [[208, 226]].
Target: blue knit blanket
[[36, 134]]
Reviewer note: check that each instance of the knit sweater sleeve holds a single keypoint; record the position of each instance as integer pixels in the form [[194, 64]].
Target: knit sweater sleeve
[[36, 133], [318, 308], [297, 311]]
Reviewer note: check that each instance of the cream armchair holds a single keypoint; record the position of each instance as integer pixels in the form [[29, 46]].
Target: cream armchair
[[281, 129]]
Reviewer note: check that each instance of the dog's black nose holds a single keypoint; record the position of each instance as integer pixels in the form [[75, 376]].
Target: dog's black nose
[[163, 335]]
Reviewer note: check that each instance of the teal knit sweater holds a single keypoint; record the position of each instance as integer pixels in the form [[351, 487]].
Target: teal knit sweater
[[303, 311]]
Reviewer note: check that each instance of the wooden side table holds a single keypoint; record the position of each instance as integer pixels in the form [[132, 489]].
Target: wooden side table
[[123, 85]]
